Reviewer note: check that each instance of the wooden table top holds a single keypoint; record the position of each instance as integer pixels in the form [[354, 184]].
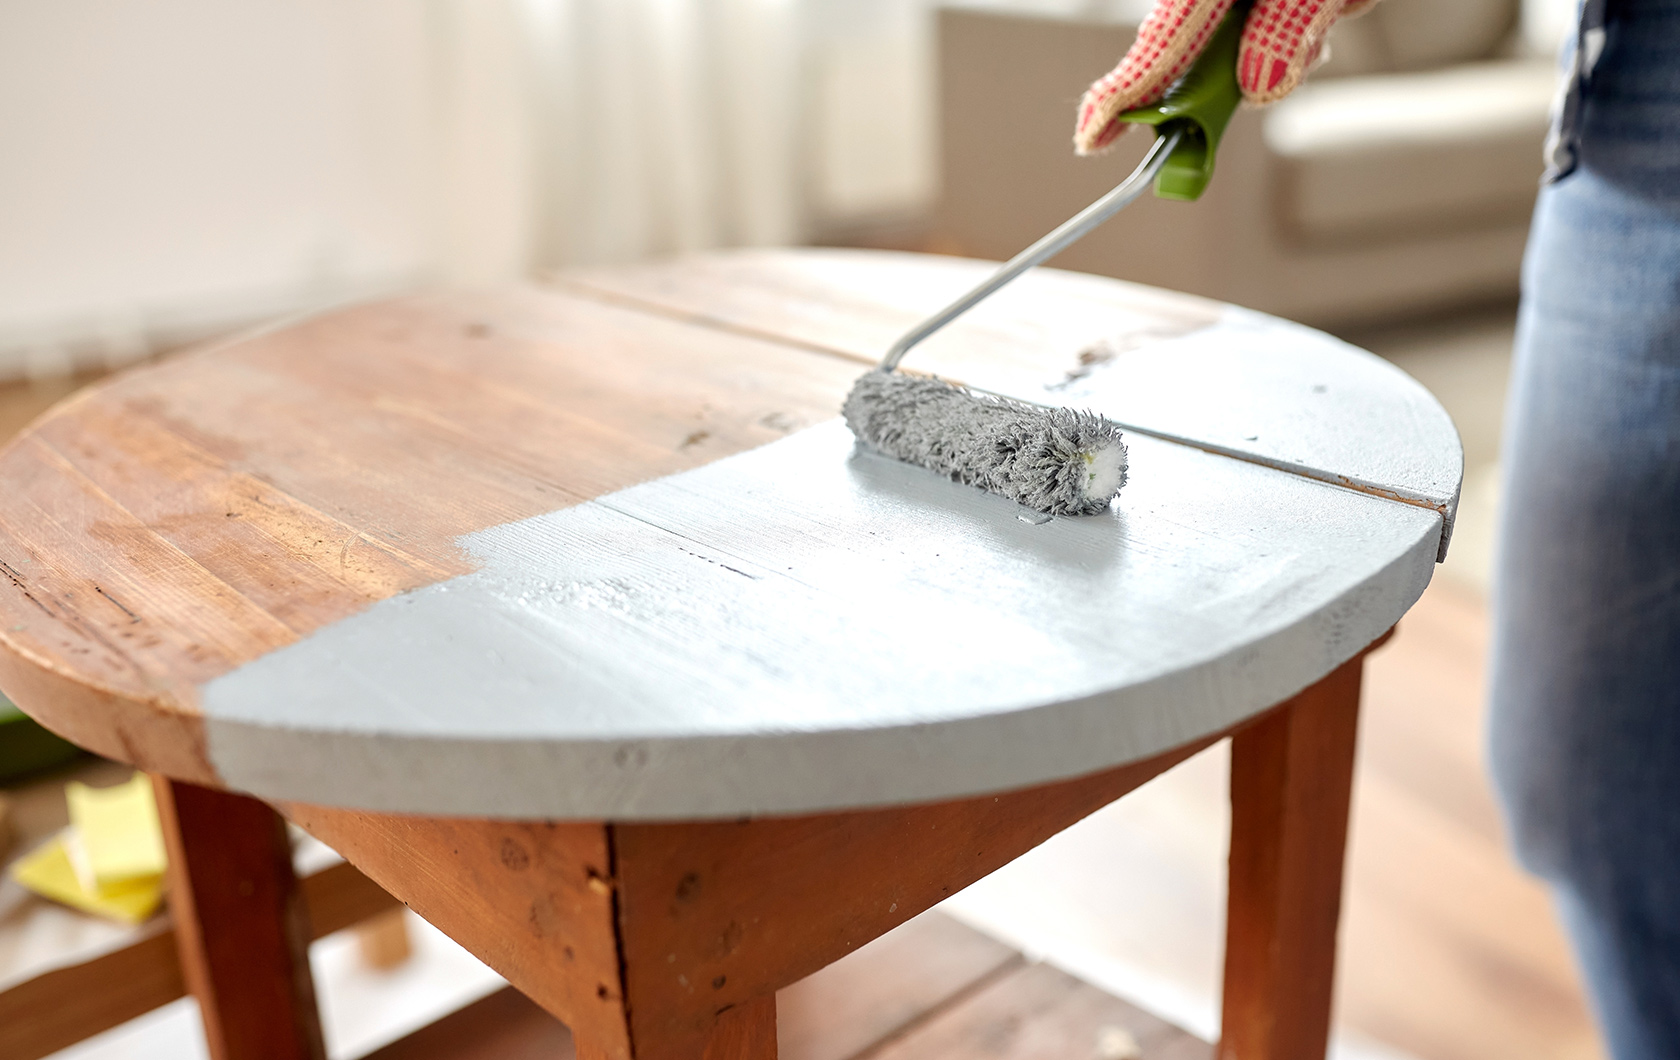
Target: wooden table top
[[601, 548]]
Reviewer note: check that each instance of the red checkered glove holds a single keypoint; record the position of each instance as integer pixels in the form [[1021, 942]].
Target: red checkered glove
[[1280, 41]]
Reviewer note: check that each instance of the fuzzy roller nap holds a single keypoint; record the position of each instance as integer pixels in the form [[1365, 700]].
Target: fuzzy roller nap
[[1058, 461]]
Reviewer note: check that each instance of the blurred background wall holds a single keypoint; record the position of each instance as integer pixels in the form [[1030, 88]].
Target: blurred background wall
[[171, 169], [175, 168]]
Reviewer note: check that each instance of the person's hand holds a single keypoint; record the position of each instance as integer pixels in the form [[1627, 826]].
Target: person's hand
[[1280, 41]]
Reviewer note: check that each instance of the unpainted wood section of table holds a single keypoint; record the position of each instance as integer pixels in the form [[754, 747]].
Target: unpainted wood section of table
[[745, 1032], [63, 1006], [1291, 781], [533, 900], [178, 521], [647, 933], [240, 924], [136, 727], [740, 1032]]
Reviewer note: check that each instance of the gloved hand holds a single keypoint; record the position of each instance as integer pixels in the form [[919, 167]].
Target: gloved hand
[[1280, 41]]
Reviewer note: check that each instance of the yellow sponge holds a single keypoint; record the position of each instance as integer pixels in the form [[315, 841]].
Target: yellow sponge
[[110, 860], [114, 833], [47, 872]]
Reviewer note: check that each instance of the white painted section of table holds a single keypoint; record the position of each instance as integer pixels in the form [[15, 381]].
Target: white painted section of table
[[809, 625], [1289, 397]]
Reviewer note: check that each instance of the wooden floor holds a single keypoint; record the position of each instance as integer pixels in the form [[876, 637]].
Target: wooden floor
[[930, 990], [1449, 950]]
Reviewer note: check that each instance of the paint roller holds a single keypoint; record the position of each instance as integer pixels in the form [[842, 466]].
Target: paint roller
[[1058, 461]]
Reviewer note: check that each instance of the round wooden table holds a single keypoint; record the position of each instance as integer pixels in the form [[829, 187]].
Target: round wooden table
[[574, 617]]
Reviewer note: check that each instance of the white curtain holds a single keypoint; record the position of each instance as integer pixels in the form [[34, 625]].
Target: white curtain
[[588, 131]]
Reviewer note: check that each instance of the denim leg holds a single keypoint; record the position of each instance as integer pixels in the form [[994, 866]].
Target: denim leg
[[1586, 677], [1585, 737]]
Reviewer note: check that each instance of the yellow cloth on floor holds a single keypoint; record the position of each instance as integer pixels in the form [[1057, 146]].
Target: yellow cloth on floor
[[47, 872]]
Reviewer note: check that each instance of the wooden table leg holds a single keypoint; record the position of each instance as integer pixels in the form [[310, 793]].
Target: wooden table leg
[[1291, 779], [745, 1032], [240, 924]]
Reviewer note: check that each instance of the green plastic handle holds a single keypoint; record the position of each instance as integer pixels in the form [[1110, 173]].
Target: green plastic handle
[[1201, 103]]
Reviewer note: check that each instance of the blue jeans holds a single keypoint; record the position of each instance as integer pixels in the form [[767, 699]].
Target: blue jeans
[[1585, 738]]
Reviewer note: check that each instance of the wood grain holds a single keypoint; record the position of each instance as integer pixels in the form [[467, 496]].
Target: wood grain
[[533, 900], [744, 1032], [1291, 780], [241, 928]]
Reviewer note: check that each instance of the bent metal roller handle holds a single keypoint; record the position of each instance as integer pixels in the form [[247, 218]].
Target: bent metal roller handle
[[1053, 460], [1189, 121]]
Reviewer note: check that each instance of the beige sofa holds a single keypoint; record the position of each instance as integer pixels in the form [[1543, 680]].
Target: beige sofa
[[1399, 179]]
